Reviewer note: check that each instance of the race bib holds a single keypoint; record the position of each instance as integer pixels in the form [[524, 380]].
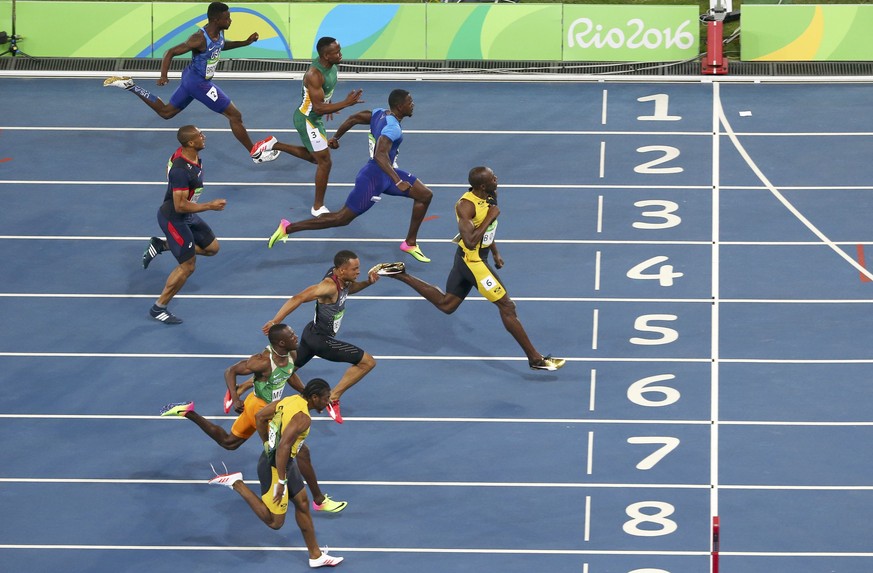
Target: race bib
[[300, 445], [277, 394], [371, 141], [488, 282], [211, 65], [337, 320], [196, 196], [489, 235], [271, 437]]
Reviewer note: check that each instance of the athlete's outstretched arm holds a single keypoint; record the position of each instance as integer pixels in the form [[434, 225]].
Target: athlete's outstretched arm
[[360, 118], [309, 294], [231, 44]]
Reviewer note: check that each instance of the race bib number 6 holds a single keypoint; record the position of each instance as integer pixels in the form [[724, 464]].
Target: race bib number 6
[[488, 282]]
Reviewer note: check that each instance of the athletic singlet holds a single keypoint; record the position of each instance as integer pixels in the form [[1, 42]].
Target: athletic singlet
[[383, 123], [182, 175], [329, 75], [204, 63], [286, 409], [271, 389], [481, 206], [328, 316]]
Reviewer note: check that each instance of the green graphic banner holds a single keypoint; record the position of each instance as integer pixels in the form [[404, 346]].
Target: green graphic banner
[[630, 33], [290, 31], [493, 32], [425, 31], [365, 31], [83, 29], [807, 33], [5, 20], [175, 22]]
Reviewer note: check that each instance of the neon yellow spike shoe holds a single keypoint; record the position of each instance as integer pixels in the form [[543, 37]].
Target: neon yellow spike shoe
[[279, 233], [329, 505], [548, 363], [177, 409], [415, 251]]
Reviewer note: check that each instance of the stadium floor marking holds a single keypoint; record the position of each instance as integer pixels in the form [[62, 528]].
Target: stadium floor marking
[[701, 133], [775, 191], [555, 485], [363, 550], [431, 420], [548, 485]]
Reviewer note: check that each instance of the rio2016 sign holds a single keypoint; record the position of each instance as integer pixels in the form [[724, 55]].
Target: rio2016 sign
[[630, 33]]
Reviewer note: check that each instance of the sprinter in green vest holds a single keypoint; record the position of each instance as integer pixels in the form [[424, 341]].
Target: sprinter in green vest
[[318, 85]]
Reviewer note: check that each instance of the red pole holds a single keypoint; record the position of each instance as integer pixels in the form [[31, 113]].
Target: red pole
[[715, 532], [713, 62]]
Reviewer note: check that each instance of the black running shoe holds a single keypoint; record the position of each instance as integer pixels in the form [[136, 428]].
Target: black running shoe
[[155, 248], [164, 315]]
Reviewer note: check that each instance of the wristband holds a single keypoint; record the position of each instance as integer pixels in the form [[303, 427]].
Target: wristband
[[283, 481]]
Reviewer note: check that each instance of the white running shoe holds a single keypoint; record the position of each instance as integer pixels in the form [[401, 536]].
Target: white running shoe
[[323, 210], [263, 152], [226, 480], [325, 560], [266, 156]]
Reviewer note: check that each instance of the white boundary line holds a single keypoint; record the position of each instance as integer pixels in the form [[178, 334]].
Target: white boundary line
[[543, 132], [433, 550], [361, 550], [714, 320], [593, 421], [547, 485], [473, 298], [595, 242], [592, 360], [460, 76], [248, 184], [556, 186]]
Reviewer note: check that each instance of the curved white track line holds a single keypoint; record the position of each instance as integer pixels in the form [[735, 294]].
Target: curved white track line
[[776, 193]]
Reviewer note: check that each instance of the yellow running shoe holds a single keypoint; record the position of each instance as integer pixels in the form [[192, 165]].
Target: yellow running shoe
[[548, 363], [329, 505], [279, 233]]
